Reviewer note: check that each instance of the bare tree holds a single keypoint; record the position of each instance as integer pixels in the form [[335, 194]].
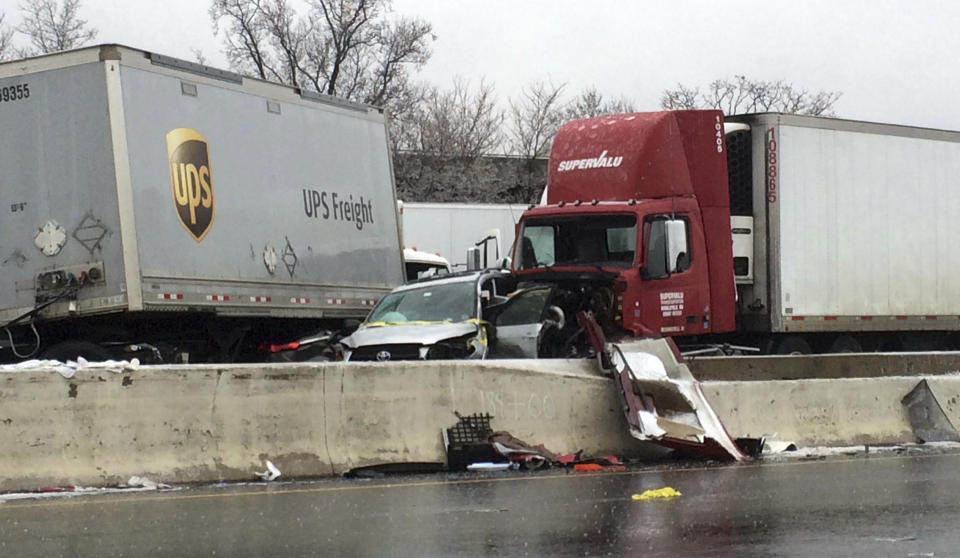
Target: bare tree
[[742, 95], [457, 122], [349, 48], [52, 27], [682, 97], [287, 36], [348, 29], [590, 102], [246, 42], [442, 142], [401, 44], [198, 56], [6, 40], [534, 119]]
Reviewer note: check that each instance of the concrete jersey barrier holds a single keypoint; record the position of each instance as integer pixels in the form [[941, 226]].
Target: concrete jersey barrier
[[210, 423], [207, 423], [783, 367]]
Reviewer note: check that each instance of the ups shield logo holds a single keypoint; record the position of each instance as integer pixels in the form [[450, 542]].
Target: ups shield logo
[[190, 181]]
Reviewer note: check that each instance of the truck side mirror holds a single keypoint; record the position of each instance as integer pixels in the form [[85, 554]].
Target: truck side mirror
[[473, 258]]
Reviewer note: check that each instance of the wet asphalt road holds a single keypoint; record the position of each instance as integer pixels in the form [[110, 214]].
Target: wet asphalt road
[[856, 506]]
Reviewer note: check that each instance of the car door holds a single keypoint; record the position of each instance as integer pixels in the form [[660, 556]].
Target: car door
[[518, 324]]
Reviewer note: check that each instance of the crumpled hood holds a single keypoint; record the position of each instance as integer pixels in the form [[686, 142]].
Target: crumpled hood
[[422, 334]]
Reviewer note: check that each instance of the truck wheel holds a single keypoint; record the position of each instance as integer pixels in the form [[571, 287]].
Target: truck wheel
[[70, 350], [793, 345], [845, 344]]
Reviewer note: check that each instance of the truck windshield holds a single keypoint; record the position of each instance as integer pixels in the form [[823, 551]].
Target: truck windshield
[[608, 240], [440, 302]]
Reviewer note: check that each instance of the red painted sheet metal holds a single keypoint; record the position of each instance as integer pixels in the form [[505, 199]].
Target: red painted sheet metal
[[632, 402], [654, 155], [640, 155], [719, 240]]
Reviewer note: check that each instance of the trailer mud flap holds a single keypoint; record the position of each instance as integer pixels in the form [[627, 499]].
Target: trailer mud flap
[[668, 407]]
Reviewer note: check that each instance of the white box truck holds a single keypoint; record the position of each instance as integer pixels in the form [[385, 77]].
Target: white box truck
[[158, 208], [450, 229]]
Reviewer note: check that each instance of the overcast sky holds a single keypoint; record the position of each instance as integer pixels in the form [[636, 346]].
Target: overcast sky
[[894, 61]]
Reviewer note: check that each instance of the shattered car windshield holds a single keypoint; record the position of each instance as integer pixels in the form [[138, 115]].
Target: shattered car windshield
[[441, 302], [581, 240]]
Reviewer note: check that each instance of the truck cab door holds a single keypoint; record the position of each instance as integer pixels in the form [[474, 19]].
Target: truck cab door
[[675, 296]]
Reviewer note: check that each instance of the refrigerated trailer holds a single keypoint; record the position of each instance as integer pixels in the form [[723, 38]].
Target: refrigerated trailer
[[854, 231], [789, 233], [158, 208]]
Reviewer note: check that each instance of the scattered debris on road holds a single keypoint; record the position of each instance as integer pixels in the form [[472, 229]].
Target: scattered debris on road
[[669, 407], [386, 469], [519, 452], [488, 466], [929, 422], [771, 447], [468, 442], [134, 484], [144, 482], [664, 493], [69, 368], [272, 473], [473, 445]]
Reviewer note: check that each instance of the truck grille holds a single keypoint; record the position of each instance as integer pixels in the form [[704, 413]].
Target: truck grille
[[397, 352]]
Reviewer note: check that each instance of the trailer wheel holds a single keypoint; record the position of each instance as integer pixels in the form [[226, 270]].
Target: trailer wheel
[[793, 345], [845, 344], [70, 350]]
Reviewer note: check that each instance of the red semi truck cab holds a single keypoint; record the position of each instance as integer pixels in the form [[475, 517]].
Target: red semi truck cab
[[638, 203]]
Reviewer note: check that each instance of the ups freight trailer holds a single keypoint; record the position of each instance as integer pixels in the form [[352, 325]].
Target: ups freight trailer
[[157, 208]]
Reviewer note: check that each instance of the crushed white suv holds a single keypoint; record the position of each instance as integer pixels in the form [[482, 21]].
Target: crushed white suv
[[437, 318]]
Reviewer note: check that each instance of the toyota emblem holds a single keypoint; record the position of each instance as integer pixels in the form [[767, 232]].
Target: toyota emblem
[[383, 356]]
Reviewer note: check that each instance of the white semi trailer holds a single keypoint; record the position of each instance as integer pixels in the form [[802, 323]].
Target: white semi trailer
[[450, 229], [158, 208]]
